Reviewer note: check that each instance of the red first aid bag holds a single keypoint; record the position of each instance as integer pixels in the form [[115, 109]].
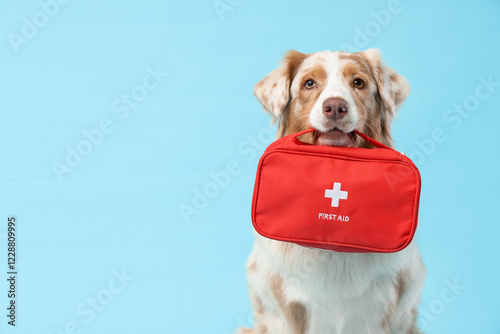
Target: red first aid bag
[[346, 199]]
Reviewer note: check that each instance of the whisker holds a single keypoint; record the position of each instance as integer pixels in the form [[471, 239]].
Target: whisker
[[368, 125]]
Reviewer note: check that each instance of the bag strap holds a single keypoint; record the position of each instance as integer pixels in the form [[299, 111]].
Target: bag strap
[[370, 140]]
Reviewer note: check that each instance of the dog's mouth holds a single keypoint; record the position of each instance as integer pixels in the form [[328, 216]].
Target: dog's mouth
[[335, 137]]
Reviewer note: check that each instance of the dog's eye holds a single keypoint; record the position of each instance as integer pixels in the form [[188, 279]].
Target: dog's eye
[[309, 84], [358, 83]]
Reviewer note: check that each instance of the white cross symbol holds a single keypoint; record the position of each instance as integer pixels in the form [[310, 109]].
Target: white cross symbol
[[336, 194]]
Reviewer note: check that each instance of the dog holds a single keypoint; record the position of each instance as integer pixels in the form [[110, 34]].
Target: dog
[[299, 290]]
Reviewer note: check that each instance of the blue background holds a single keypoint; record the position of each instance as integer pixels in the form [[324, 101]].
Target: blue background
[[119, 208]]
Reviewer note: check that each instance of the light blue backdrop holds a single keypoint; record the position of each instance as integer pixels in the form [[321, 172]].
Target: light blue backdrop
[[115, 114]]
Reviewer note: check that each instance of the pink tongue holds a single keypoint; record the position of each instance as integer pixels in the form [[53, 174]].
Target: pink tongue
[[335, 138]]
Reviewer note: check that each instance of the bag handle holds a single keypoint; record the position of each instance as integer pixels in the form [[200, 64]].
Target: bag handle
[[370, 140]]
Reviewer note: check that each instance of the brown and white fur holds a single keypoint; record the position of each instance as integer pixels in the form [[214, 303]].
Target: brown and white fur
[[298, 290]]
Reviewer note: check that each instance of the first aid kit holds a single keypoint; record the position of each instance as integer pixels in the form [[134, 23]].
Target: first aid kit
[[345, 199]]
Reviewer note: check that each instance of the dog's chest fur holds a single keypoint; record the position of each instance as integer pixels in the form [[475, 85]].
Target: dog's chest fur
[[342, 292]]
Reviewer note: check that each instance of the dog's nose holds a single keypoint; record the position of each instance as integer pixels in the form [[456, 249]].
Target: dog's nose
[[335, 108]]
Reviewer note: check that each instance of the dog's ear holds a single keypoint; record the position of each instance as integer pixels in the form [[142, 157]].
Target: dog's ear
[[273, 92], [393, 88]]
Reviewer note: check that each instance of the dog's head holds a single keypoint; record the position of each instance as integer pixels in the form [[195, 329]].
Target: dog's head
[[334, 93]]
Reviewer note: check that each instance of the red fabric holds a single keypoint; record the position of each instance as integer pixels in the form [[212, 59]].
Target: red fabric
[[382, 187]]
